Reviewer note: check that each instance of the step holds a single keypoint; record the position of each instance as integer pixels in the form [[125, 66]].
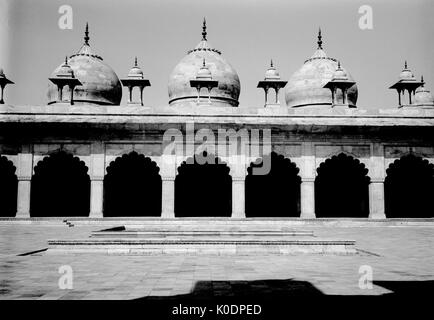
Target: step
[[197, 246], [166, 233]]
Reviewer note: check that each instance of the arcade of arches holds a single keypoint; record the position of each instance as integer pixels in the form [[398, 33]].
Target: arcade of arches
[[61, 187]]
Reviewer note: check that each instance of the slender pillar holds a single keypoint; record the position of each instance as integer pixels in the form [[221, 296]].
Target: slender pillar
[[376, 200], [168, 173], [237, 164], [168, 198], [97, 171], [141, 95], [376, 187], [307, 188], [307, 201], [24, 175], [238, 198]]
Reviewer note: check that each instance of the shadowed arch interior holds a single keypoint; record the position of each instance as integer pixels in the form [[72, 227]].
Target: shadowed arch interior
[[8, 188], [203, 188], [275, 194], [132, 187], [342, 188], [60, 187], [409, 188]]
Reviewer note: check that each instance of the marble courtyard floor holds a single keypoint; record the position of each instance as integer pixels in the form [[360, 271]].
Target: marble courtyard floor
[[400, 257]]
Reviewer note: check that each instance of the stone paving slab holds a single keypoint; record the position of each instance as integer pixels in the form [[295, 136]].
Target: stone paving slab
[[396, 254]]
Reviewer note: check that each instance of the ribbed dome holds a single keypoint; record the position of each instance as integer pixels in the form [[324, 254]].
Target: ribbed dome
[[306, 86], [423, 96], [228, 90], [100, 84]]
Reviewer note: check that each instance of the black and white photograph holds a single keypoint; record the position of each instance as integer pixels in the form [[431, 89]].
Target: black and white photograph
[[217, 159]]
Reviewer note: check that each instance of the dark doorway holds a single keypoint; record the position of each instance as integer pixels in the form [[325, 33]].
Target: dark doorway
[[409, 188], [342, 188], [60, 187], [203, 189], [132, 187], [8, 188], [276, 194]]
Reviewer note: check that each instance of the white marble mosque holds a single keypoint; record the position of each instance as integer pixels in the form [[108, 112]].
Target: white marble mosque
[[85, 155]]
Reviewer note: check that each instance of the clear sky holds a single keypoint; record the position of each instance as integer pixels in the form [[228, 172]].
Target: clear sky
[[248, 32]]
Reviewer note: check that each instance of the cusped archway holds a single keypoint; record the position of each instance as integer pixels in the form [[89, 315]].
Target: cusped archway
[[8, 188], [203, 188], [342, 188], [132, 187], [60, 187], [409, 188], [275, 193]]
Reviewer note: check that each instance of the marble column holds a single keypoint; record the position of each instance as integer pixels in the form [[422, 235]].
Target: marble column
[[168, 173], [24, 175], [237, 163], [168, 197], [97, 171], [238, 198], [377, 174], [307, 187], [307, 198], [376, 200]]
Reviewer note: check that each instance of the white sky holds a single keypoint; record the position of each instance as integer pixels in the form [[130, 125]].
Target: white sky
[[248, 33]]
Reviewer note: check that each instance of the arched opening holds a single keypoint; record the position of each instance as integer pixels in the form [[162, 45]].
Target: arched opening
[[275, 194], [203, 189], [60, 187], [8, 188], [409, 188], [132, 187], [342, 188]]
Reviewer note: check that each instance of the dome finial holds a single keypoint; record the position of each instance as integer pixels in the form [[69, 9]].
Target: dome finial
[[339, 64], [405, 64], [66, 60], [135, 62], [421, 80], [203, 63], [271, 63], [86, 34], [204, 29], [319, 39]]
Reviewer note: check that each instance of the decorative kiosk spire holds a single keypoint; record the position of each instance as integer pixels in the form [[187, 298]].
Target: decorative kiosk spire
[[272, 81], [319, 39], [339, 81], [407, 82], [204, 33], [86, 34], [134, 79], [203, 80], [64, 77]]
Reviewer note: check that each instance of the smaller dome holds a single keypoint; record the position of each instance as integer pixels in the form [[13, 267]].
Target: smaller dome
[[272, 73], [65, 71], [406, 74], [204, 72], [340, 73], [423, 96], [135, 71]]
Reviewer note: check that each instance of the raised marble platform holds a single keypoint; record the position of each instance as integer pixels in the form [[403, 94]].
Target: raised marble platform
[[199, 236]]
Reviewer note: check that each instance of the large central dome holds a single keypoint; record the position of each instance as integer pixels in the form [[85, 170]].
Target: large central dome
[[228, 90], [306, 86]]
